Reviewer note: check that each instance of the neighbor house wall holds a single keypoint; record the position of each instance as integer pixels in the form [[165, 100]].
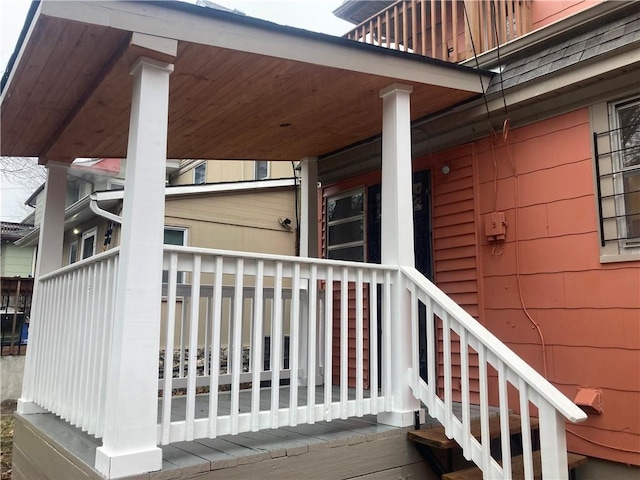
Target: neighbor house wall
[[16, 261], [549, 272], [228, 171]]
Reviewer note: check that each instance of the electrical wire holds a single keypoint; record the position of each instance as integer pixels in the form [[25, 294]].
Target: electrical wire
[[475, 56], [517, 244], [622, 449], [296, 207]]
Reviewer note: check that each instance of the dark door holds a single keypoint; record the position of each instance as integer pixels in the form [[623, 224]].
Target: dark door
[[422, 245]]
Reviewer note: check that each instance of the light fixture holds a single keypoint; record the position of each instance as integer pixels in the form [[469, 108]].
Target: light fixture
[[446, 170], [76, 231], [285, 222]]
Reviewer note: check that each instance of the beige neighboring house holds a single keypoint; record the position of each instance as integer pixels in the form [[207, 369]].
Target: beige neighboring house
[[231, 205], [16, 261], [247, 216]]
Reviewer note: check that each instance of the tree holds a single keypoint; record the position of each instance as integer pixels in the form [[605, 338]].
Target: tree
[[23, 171], [19, 177]]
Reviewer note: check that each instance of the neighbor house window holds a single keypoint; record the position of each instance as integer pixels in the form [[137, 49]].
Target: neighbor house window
[[116, 185], [73, 252], [200, 174], [174, 236], [261, 170], [88, 243], [617, 163], [345, 226]]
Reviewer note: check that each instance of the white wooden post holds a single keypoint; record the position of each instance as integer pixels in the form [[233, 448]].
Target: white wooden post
[[130, 437], [49, 258], [308, 248], [309, 207], [397, 243], [553, 442]]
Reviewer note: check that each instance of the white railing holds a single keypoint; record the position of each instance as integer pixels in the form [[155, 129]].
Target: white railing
[[282, 297], [498, 367], [69, 341]]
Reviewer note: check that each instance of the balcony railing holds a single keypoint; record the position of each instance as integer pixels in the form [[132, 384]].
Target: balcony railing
[[449, 30]]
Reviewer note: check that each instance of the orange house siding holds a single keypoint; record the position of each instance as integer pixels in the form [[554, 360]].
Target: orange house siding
[[588, 312]]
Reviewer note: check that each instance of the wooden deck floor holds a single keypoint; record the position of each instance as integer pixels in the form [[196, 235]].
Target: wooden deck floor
[[248, 450]]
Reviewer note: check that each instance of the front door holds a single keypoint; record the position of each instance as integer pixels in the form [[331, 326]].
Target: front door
[[422, 245]]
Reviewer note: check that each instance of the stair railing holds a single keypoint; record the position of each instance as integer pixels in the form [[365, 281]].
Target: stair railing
[[451, 332]]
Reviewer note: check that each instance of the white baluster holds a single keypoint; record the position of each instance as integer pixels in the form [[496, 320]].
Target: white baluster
[[359, 342], [234, 358], [344, 343], [167, 388], [257, 360], [373, 341]]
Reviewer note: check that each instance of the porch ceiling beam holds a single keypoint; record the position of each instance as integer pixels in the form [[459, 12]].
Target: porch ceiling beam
[[231, 31]]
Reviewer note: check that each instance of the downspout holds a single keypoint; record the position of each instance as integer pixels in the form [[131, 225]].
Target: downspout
[[93, 205]]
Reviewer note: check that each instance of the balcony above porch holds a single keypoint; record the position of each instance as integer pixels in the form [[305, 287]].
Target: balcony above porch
[[452, 31]]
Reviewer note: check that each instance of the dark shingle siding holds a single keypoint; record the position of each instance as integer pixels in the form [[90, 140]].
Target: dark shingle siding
[[599, 40]]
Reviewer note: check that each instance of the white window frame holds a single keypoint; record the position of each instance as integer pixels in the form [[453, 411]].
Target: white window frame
[[619, 170], [255, 169], [185, 233], [362, 216], [71, 245], [196, 169], [89, 233]]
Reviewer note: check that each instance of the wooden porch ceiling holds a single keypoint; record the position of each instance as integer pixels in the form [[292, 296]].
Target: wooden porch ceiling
[[241, 88]]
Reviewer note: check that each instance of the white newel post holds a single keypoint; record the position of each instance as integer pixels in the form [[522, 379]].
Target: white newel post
[[397, 243], [49, 258], [130, 438]]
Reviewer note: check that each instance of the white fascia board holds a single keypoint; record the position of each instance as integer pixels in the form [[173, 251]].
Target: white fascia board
[[278, 41], [23, 47]]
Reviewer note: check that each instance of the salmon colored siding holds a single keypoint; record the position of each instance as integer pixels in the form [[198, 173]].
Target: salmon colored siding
[[588, 312]]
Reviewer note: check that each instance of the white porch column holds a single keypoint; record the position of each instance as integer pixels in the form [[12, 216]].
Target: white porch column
[[309, 207], [49, 258], [130, 437], [397, 242]]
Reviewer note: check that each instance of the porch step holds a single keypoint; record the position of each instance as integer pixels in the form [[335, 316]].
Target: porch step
[[517, 468], [434, 437]]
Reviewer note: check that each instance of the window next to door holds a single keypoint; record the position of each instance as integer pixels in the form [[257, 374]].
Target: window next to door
[[345, 226]]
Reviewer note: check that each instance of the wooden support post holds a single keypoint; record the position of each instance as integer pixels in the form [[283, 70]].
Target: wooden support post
[[131, 434], [309, 207], [49, 259], [397, 243]]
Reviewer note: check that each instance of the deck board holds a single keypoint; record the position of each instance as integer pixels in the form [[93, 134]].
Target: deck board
[[182, 459]]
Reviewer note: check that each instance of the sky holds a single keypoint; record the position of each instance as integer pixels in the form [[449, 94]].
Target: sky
[[314, 15]]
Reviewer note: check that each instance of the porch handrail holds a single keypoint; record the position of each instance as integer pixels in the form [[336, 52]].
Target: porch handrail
[[553, 406], [309, 301], [70, 341], [267, 257], [99, 257]]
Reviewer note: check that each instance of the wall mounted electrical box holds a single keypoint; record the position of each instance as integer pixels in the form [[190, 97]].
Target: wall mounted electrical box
[[495, 226]]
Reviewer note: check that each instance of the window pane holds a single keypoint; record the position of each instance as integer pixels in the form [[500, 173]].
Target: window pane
[[73, 252], [629, 118], [200, 174], [346, 232], [88, 246], [631, 181], [261, 170], [345, 207], [173, 237], [355, 254]]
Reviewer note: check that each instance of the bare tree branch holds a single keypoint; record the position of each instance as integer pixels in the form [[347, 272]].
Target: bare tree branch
[[22, 171]]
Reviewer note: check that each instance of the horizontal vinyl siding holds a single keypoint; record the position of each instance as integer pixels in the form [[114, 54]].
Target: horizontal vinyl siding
[[454, 244], [588, 312]]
